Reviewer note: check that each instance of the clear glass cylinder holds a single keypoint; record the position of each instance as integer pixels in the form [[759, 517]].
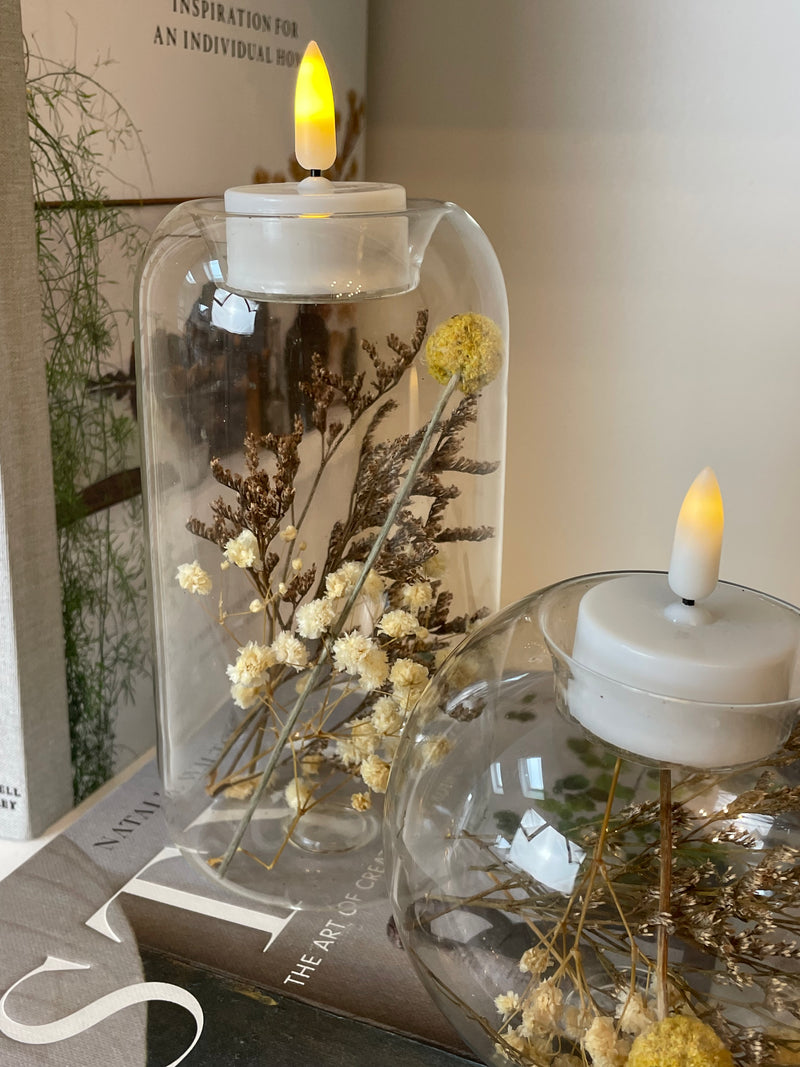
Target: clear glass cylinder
[[278, 428], [527, 857]]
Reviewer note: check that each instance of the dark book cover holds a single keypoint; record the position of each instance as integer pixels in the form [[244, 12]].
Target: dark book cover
[[109, 926]]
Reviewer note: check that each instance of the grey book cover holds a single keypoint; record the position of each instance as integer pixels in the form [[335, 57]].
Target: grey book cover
[[81, 920]]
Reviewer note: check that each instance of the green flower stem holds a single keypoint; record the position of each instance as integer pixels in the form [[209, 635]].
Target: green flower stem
[[324, 655]]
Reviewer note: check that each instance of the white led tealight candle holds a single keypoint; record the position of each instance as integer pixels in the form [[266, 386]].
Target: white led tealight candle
[[317, 240], [677, 668]]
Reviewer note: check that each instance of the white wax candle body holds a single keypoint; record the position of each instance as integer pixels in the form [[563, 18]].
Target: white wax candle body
[[701, 672], [317, 240]]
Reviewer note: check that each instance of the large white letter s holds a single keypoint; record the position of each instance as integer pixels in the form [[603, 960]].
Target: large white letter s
[[99, 1010]]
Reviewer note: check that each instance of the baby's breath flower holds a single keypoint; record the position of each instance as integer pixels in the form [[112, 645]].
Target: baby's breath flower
[[240, 790], [244, 696], [417, 595], [256, 606], [374, 585], [314, 618], [252, 664], [542, 1007], [297, 564], [600, 1041], [364, 737], [346, 751], [298, 793], [311, 763], [283, 588], [434, 750], [397, 623], [243, 551], [193, 578], [224, 565], [289, 650], [342, 581], [386, 716], [634, 1014], [507, 1003], [470, 344], [288, 534], [408, 680], [534, 960], [679, 1041], [361, 801], [349, 650], [375, 773], [373, 669], [435, 566]]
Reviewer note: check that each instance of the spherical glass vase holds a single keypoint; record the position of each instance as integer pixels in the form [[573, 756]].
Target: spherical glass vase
[[530, 869], [285, 394]]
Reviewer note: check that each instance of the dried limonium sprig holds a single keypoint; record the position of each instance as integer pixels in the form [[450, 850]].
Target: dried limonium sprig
[[369, 621]]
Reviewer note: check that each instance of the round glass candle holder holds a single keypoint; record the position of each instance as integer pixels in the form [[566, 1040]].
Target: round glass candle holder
[[279, 422], [526, 864]]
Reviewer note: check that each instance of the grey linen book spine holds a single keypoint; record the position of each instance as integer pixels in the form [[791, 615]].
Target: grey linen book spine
[[35, 773]]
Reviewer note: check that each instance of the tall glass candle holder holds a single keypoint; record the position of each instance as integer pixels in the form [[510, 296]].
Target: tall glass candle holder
[[323, 444], [566, 898]]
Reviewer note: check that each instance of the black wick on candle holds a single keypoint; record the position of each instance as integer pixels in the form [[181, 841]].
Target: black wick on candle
[[314, 173], [688, 603]]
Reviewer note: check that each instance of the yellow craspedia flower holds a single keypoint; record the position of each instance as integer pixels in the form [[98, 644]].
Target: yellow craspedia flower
[[679, 1041], [469, 343]]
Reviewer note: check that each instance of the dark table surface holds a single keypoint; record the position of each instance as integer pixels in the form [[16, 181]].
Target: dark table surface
[[249, 1026]]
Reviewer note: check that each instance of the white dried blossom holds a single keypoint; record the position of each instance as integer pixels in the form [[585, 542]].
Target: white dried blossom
[[297, 564], [634, 1014], [193, 578], [310, 763], [243, 551], [408, 680], [341, 582], [435, 567], [290, 650], [386, 716], [298, 793], [252, 664], [244, 696], [507, 1003], [350, 649], [602, 1044], [398, 623], [575, 1021], [283, 588], [240, 790], [314, 618], [346, 751], [417, 595], [364, 737], [288, 534], [542, 1007], [256, 606], [373, 669], [534, 961], [361, 801], [375, 773], [434, 750]]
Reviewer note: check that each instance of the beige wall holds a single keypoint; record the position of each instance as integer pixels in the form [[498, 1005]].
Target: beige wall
[[636, 165]]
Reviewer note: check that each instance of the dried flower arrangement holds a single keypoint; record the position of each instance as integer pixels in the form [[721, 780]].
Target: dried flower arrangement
[[342, 646], [678, 943]]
